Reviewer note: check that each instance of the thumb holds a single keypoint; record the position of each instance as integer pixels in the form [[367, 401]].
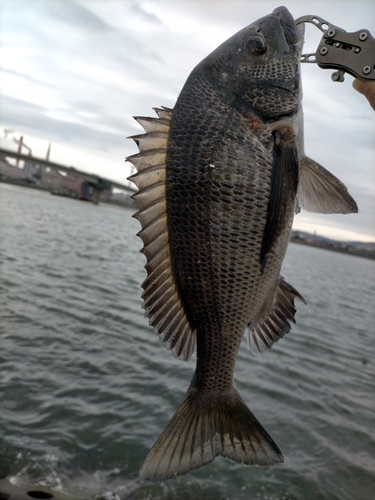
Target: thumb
[[367, 88]]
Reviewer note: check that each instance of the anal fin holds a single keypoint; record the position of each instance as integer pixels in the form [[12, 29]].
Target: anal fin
[[274, 323]]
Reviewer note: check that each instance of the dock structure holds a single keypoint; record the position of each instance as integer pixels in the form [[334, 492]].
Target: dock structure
[[34, 165]]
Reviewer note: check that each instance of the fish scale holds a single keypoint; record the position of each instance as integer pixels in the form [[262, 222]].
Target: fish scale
[[220, 177]]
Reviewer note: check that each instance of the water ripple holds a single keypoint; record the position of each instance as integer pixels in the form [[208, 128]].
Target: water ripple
[[86, 386]]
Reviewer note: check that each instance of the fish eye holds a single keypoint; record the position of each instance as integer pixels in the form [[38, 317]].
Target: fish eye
[[257, 46]]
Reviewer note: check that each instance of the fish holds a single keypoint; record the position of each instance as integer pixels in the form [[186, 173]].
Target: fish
[[220, 177]]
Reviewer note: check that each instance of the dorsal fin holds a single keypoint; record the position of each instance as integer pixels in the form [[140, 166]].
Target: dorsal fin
[[161, 299]]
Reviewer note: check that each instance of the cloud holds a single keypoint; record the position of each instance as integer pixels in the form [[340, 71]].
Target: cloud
[[139, 12], [75, 14], [77, 134]]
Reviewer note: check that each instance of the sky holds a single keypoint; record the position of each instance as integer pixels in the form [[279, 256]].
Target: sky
[[74, 72]]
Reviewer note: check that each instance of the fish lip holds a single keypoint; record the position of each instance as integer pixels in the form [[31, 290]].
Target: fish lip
[[292, 32]]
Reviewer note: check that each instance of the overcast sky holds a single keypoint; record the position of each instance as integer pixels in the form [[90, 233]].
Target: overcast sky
[[74, 72]]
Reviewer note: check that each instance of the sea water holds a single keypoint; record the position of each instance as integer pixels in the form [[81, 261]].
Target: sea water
[[87, 387]]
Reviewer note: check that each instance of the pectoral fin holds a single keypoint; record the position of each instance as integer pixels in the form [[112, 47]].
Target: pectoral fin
[[284, 179], [321, 192]]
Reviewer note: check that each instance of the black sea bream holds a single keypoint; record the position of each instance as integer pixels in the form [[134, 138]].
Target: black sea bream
[[220, 177]]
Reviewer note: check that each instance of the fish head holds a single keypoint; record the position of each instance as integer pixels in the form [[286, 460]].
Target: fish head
[[258, 68]]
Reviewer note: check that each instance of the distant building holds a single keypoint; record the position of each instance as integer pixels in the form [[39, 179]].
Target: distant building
[[11, 169], [60, 182], [29, 172], [13, 173]]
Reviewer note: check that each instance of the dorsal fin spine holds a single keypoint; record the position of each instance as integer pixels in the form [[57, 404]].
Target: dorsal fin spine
[[161, 299], [153, 124], [150, 213]]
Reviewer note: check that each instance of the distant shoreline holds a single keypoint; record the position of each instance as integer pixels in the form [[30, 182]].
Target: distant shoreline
[[333, 248], [50, 189], [307, 239]]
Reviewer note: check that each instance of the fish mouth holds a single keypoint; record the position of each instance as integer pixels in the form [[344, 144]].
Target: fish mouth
[[293, 33], [282, 25]]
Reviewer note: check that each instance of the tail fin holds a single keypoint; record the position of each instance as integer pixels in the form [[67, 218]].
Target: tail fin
[[197, 434]]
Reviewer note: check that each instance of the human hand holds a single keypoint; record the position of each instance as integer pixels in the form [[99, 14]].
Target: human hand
[[367, 88]]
